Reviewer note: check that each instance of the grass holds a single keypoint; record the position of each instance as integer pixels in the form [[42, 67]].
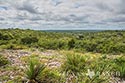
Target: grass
[[74, 64], [76, 67], [3, 60], [79, 54], [119, 67], [33, 70]]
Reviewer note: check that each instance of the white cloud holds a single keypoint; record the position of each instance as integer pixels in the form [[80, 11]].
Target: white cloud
[[61, 13]]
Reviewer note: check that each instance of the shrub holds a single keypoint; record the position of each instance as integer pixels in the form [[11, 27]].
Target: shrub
[[13, 46], [119, 67], [98, 71], [3, 60], [74, 64], [71, 44], [50, 76], [29, 40], [33, 70], [6, 36], [74, 67], [52, 44]]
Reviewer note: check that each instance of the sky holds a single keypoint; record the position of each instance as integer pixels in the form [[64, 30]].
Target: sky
[[63, 14]]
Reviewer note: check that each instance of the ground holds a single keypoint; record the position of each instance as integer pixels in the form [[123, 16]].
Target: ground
[[14, 72]]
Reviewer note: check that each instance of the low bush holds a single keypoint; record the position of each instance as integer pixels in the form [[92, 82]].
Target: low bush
[[33, 70], [119, 67], [3, 60], [50, 76], [29, 40], [74, 63]]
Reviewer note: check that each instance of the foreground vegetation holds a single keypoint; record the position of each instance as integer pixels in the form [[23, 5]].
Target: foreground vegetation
[[60, 57]]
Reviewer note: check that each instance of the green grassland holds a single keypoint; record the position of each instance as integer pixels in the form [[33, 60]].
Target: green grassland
[[62, 57]]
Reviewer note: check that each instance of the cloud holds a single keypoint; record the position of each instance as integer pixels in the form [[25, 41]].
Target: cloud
[[26, 6], [117, 19], [3, 8], [62, 13], [2, 18], [121, 9], [56, 2]]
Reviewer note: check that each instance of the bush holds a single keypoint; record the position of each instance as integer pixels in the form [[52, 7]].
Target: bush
[[13, 46], [50, 76], [119, 67], [3, 60], [52, 44], [6, 36], [33, 70], [29, 40], [74, 64], [71, 44]]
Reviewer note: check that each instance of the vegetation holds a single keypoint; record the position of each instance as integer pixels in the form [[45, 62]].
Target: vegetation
[[74, 64], [119, 67], [33, 71], [3, 60], [62, 57], [98, 42]]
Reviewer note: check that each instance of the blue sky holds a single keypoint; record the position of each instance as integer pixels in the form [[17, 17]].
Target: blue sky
[[62, 14]]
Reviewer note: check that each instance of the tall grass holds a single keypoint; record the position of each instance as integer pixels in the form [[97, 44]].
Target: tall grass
[[33, 71], [119, 67], [74, 63], [73, 67]]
